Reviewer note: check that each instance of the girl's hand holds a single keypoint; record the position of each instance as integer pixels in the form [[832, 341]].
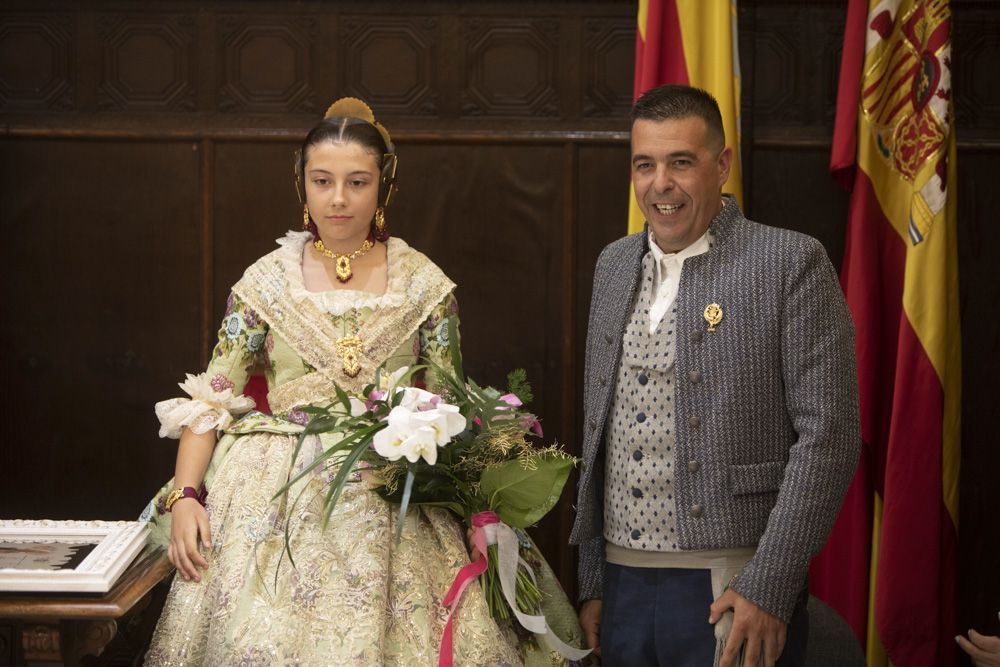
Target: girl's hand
[[190, 520]]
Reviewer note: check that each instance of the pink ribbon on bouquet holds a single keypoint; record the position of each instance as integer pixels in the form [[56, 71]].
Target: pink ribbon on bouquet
[[488, 529], [465, 576]]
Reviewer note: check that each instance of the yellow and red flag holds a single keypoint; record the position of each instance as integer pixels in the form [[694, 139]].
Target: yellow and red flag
[[890, 564], [691, 42]]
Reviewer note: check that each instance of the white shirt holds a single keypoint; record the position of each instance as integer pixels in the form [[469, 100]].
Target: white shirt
[[667, 275]]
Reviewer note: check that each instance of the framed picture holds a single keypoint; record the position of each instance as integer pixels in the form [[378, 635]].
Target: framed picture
[[67, 556]]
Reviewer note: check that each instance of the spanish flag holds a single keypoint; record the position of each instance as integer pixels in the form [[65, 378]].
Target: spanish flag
[[691, 42], [890, 564]]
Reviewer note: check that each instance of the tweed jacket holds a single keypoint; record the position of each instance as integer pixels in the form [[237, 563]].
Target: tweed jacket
[[766, 406]]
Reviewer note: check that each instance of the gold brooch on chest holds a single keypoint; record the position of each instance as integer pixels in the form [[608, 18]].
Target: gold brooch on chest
[[349, 350], [713, 315]]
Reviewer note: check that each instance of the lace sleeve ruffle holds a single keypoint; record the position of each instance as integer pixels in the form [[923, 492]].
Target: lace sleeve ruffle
[[208, 408]]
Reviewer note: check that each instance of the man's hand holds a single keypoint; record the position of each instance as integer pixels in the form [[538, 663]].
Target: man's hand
[[590, 622], [984, 650], [763, 633]]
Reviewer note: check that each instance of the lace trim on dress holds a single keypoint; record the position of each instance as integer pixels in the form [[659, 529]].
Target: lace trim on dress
[[207, 408], [267, 285], [339, 301]]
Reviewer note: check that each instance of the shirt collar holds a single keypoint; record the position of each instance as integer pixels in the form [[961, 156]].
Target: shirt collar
[[697, 248]]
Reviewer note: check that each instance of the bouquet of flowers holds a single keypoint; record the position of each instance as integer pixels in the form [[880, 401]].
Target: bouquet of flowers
[[469, 451]]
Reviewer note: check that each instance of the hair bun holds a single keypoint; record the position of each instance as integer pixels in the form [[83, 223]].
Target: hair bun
[[352, 107]]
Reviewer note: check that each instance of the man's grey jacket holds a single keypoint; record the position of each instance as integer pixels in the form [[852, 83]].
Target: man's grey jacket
[[766, 404]]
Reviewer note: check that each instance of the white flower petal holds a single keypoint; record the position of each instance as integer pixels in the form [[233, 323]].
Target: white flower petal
[[388, 444], [357, 407], [421, 443]]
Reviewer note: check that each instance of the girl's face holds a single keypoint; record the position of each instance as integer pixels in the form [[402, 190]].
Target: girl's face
[[342, 182]]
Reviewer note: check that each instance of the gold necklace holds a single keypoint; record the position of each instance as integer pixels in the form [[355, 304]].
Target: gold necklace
[[343, 262]]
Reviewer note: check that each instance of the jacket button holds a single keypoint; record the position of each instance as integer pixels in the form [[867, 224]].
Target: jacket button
[[636, 534], [697, 511], [637, 493], [637, 455], [641, 417], [695, 377], [643, 379], [695, 336], [694, 422], [694, 466]]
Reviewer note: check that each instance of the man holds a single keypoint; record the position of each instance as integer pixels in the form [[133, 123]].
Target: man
[[721, 415]]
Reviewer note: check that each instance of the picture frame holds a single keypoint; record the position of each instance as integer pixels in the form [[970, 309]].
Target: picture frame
[[66, 556]]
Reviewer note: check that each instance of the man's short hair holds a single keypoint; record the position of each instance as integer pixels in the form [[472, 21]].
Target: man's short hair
[[673, 102]]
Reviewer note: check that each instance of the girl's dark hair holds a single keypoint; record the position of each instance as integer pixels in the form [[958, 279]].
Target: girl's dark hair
[[344, 131]]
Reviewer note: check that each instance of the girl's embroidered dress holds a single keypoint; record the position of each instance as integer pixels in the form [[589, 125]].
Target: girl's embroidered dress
[[352, 597]]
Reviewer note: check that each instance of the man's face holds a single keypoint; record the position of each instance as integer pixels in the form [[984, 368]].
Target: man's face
[[678, 171]]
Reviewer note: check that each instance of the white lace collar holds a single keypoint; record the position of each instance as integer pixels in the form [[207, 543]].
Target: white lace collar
[[338, 302]]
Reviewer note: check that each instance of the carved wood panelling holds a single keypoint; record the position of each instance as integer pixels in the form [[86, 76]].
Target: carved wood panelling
[[36, 64], [792, 65], [148, 62], [777, 86], [389, 62], [510, 67], [41, 642], [607, 59], [267, 63], [976, 54]]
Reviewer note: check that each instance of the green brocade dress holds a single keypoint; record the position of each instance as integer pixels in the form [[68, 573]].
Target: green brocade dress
[[353, 597]]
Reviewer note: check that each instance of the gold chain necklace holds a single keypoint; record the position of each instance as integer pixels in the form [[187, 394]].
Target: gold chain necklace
[[343, 262]]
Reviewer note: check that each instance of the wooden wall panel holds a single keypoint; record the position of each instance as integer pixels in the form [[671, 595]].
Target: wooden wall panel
[[36, 61], [268, 63], [254, 204], [793, 190], [978, 241], [99, 309], [976, 45], [148, 62], [391, 63], [794, 62], [607, 57], [510, 67]]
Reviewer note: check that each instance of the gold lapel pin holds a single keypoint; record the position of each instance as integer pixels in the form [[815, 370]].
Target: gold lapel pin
[[713, 315]]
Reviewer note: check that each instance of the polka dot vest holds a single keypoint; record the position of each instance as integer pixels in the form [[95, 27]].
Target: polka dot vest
[[639, 507]]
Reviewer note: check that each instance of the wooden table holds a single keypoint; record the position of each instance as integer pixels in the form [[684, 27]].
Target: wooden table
[[74, 629]]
